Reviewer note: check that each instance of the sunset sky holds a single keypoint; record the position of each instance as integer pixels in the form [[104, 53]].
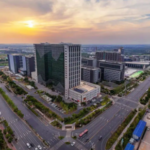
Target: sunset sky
[[76, 21]]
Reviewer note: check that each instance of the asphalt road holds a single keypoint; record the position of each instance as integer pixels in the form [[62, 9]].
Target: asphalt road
[[45, 130], [105, 124], [21, 130]]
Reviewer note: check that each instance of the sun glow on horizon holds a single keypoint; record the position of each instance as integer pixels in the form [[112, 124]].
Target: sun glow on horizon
[[30, 24]]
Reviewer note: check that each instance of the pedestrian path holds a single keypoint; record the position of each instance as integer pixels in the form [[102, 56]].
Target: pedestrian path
[[121, 135], [68, 138]]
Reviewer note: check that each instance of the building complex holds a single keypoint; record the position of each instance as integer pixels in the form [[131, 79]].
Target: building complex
[[117, 55], [111, 71], [21, 64], [60, 65]]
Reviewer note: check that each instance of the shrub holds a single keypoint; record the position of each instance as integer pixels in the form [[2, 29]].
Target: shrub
[[56, 124], [74, 137], [61, 137]]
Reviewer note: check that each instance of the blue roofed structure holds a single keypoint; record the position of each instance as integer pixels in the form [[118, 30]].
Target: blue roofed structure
[[129, 147], [138, 131]]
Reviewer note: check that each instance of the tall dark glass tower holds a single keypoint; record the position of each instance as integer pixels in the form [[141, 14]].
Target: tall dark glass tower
[[59, 64]]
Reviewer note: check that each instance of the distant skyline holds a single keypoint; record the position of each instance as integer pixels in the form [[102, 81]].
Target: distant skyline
[[75, 21]]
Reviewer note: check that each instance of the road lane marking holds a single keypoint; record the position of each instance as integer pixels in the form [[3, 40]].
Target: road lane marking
[[104, 126]]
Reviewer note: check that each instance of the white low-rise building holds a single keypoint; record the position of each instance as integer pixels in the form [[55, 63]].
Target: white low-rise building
[[46, 98], [30, 87], [84, 92]]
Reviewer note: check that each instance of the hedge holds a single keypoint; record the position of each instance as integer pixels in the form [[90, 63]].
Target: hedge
[[11, 104]]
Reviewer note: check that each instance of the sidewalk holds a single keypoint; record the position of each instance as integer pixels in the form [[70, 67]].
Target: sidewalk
[[121, 135]]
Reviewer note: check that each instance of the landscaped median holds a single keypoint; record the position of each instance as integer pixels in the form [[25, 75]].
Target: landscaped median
[[116, 134], [145, 98], [14, 87], [8, 132], [126, 137], [92, 116], [56, 124], [33, 103], [6, 136], [11, 104]]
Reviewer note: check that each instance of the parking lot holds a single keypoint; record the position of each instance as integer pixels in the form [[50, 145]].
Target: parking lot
[[57, 107]]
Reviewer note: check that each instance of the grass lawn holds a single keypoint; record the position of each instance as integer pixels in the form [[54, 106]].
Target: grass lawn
[[136, 74]]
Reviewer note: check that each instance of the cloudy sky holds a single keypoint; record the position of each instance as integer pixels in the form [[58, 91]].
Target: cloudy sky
[[76, 21]]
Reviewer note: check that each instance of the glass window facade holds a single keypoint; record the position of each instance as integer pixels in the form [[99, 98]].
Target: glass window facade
[[50, 65]]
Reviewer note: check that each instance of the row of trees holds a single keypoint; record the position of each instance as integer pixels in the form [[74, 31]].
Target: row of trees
[[68, 107], [56, 124], [126, 137], [8, 132], [16, 89], [105, 101], [76, 117], [143, 75], [2, 141], [85, 111], [30, 100], [117, 133], [144, 99], [3, 145], [104, 90], [91, 116], [11, 104], [32, 83]]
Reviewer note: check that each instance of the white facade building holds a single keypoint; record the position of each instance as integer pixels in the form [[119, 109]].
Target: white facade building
[[84, 92], [72, 68]]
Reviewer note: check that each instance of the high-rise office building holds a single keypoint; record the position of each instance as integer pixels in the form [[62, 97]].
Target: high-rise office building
[[90, 74], [89, 62], [111, 71], [59, 64], [116, 56], [21, 64], [14, 62], [27, 65]]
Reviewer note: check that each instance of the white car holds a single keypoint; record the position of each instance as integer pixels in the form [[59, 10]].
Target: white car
[[28, 145], [39, 147], [73, 143]]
